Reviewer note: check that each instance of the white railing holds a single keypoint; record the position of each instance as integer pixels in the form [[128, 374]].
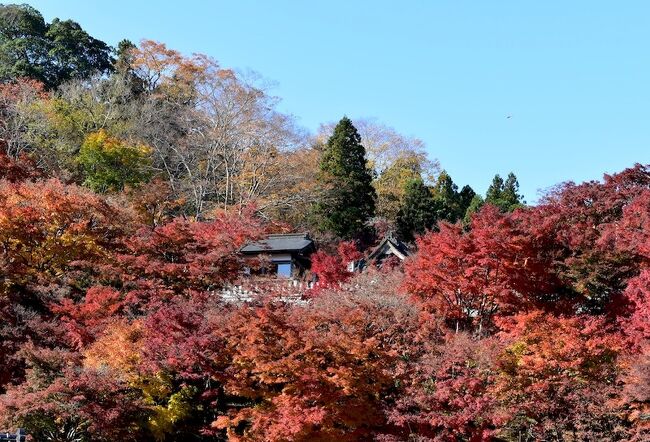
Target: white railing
[[290, 290]]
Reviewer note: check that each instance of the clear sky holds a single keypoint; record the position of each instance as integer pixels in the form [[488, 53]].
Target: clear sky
[[573, 75]]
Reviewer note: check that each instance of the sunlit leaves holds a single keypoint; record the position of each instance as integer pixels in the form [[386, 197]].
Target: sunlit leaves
[[110, 164]]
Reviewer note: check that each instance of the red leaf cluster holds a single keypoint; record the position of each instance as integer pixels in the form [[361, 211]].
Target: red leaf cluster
[[532, 325]]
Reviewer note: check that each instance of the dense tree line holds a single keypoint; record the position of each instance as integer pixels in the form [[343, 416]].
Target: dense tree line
[[51, 53], [528, 325], [201, 136], [129, 180]]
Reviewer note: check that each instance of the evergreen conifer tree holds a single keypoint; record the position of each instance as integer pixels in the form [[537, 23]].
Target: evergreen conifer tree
[[447, 198], [349, 200], [493, 194], [465, 197], [474, 206], [418, 211], [511, 194], [505, 195]]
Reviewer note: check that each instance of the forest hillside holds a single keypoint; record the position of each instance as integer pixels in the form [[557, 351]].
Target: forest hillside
[[131, 178]]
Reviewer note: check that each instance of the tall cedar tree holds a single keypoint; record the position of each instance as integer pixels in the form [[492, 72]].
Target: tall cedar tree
[[350, 198], [505, 195], [418, 211], [445, 193], [465, 197]]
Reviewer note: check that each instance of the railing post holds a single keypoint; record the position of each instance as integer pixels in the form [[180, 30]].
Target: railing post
[[21, 436]]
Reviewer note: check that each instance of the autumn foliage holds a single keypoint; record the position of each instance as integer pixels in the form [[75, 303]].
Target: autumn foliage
[[128, 188], [125, 200], [334, 269], [531, 325]]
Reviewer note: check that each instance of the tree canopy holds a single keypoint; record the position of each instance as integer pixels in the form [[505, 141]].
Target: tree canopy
[[349, 198], [130, 312], [505, 194], [51, 53], [418, 212]]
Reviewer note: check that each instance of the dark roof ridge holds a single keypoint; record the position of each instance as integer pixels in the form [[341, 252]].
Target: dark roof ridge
[[297, 242], [276, 235]]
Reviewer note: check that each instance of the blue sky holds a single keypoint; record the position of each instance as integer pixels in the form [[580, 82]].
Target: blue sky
[[574, 75]]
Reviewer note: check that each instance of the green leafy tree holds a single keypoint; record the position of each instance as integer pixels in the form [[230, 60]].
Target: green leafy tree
[[418, 211], [505, 194], [23, 47], [124, 66], [391, 185], [74, 53], [494, 191], [442, 202], [64, 119], [445, 194], [109, 164], [124, 52], [474, 206], [50, 53], [349, 200], [511, 194], [465, 197]]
